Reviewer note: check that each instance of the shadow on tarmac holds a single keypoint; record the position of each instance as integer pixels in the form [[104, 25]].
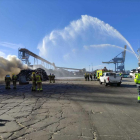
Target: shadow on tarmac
[[83, 93], [128, 86], [122, 85]]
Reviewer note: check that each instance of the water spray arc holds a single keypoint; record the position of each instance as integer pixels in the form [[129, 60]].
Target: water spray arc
[[90, 29]]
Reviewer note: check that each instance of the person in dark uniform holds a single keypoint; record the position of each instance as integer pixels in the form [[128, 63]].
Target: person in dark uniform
[[85, 76], [91, 76], [33, 81], [88, 76], [94, 76], [7, 82], [53, 78], [14, 79]]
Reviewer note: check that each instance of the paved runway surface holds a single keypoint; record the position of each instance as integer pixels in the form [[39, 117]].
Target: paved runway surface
[[70, 110]]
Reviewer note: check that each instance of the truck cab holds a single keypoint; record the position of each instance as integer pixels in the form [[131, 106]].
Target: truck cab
[[99, 73]]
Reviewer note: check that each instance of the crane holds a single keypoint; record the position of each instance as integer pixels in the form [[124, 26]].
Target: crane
[[118, 61]]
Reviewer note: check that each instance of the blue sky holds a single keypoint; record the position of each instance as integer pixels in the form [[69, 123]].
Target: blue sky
[[28, 23]]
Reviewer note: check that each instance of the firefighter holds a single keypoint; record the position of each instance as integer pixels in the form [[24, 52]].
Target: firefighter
[[14, 79], [136, 74], [39, 82], [85, 77], [7, 82], [53, 78], [91, 76], [50, 78], [33, 81], [137, 81], [94, 76], [88, 76]]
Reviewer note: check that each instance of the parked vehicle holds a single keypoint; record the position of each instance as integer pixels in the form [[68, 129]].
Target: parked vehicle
[[100, 73], [133, 73], [124, 75], [109, 78]]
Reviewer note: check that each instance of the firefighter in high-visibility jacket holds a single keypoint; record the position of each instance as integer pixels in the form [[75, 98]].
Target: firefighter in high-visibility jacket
[[85, 77], [137, 81], [136, 74], [53, 78], [39, 82], [88, 76], [33, 81], [94, 76], [91, 76], [50, 78], [7, 82], [14, 79]]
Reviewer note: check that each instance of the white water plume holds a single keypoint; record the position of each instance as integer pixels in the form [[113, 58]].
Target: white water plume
[[10, 65], [107, 45], [82, 32]]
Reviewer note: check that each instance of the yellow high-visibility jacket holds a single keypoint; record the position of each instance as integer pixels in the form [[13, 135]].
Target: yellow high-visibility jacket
[[33, 78], [137, 79], [14, 77], [7, 79], [38, 78]]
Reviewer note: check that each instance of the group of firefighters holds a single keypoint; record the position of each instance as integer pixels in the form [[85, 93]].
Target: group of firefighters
[[8, 80], [87, 76], [36, 81]]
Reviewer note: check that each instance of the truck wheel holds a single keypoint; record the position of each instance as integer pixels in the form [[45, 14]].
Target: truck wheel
[[118, 84], [105, 83], [100, 82]]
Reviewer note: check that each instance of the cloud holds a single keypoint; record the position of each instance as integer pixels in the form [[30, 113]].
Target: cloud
[[66, 56], [2, 54], [82, 32], [11, 45], [86, 47], [74, 50]]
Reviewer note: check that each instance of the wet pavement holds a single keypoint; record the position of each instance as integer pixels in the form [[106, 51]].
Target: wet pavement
[[70, 110]]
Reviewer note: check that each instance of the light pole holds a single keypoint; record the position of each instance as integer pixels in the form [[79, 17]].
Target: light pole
[[89, 68], [92, 66]]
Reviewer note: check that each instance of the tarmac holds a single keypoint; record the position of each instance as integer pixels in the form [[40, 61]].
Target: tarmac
[[70, 109]]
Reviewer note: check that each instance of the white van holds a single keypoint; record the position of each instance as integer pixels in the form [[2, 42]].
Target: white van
[[132, 73]]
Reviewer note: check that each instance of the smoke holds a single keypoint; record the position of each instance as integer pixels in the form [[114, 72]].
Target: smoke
[[10, 65]]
